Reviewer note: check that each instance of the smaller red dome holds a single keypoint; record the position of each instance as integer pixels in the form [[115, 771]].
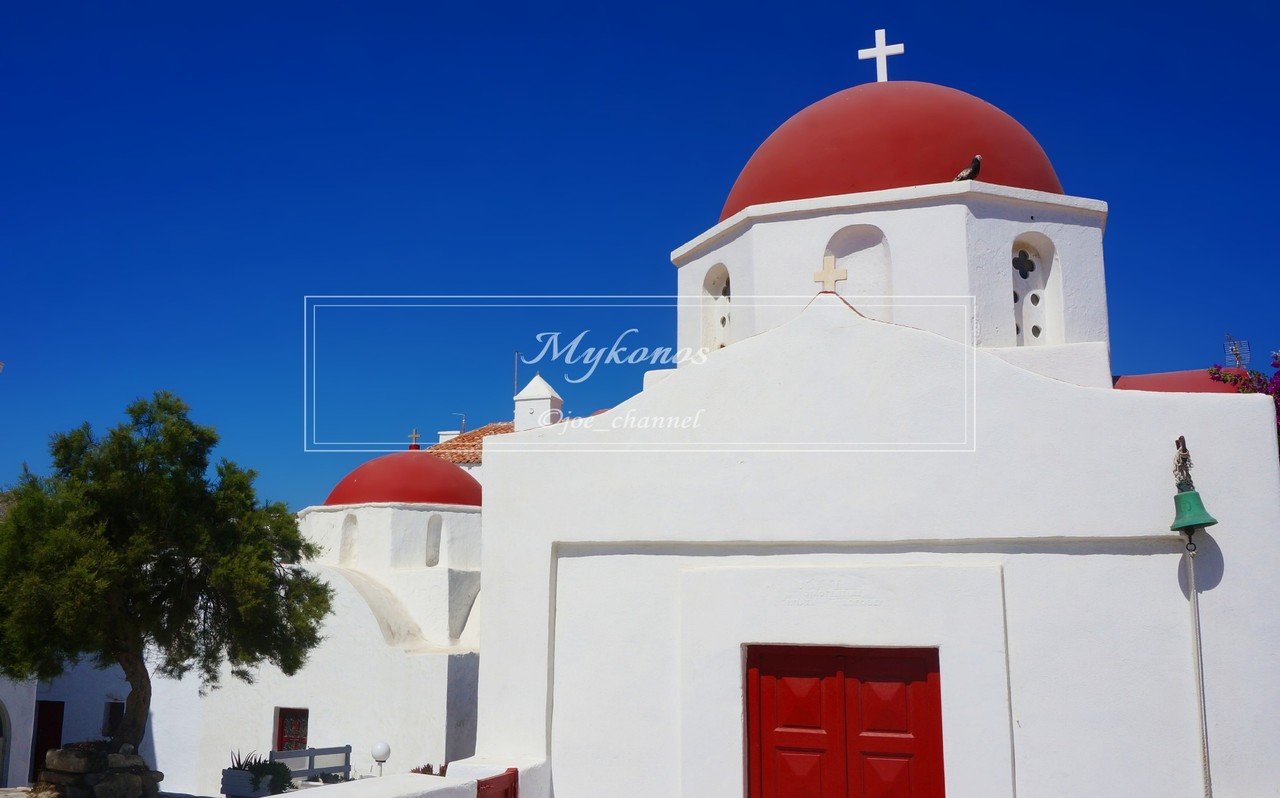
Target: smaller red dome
[[413, 477]]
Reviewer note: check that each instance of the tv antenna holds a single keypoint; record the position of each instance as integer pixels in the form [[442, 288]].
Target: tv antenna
[[1237, 351], [462, 427]]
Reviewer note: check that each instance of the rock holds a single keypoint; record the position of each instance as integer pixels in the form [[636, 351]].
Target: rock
[[70, 760], [150, 789], [125, 761], [119, 785], [93, 778], [155, 775], [76, 791], [60, 777], [127, 748]]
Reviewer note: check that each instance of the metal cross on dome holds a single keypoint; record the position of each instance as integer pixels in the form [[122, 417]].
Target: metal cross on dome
[[881, 53]]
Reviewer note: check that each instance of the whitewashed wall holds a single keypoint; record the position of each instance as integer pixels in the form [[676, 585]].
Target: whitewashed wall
[[619, 583], [427, 556], [84, 691], [946, 240], [17, 712]]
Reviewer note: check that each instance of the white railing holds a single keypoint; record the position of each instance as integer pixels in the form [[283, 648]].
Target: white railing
[[307, 762]]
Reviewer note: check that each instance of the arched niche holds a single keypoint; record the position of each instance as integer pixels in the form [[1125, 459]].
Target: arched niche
[[435, 524], [348, 547], [717, 300], [862, 252], [1037, 301]]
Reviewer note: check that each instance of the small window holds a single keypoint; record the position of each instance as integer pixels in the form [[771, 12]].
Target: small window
[[291, 729], [859, 258], [348, 553], [717, 300], [434, 526], [112, 714]]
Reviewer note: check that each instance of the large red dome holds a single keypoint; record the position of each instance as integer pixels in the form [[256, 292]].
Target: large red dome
[[889, 135], [412, 477]]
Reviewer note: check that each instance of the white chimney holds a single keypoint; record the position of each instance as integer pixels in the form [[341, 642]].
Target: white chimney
[[537, 405], [448, 435]]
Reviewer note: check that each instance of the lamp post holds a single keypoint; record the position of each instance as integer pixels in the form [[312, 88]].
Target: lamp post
[[380, 752]]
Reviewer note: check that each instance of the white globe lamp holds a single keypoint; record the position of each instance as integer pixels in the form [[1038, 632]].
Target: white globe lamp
[[380, 752]]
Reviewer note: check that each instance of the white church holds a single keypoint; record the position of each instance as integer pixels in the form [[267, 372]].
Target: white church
[[918, 542]]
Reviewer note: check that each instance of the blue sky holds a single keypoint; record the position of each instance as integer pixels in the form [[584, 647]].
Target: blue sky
[[179, 175]]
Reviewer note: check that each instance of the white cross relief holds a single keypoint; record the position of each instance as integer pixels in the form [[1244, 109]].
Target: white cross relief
[[881, 53], [830, 275]]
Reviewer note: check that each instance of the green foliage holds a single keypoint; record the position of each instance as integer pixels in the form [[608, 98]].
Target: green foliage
[[278, 773], [130, 547], [242, 762], [1253, 381]]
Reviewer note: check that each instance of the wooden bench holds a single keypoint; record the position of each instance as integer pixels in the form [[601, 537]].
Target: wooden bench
[[302, 763]]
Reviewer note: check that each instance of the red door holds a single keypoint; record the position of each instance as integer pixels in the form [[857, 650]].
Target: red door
[[894, 709], [798, 736], [843, 722], [48, 733]]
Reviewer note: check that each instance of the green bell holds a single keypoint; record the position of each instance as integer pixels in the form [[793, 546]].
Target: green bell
[[1190, 512]]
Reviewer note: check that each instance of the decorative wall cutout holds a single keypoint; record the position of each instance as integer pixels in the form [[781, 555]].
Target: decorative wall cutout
[[1032, 262], [717, 300]]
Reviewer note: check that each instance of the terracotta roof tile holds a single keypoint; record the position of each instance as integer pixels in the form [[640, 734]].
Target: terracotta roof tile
[[465, 449], [1193, 381]]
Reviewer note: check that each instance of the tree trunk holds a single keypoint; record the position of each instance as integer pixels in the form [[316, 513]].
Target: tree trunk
[[137, 706]]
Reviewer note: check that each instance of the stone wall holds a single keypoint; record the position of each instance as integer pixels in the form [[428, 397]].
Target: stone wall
[[80, 773]]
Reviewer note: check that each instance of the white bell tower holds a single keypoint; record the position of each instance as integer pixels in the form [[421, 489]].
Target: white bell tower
[[845, 199], [537, 405]]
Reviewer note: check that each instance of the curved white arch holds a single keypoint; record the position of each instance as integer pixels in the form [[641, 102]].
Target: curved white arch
[[394, 621]]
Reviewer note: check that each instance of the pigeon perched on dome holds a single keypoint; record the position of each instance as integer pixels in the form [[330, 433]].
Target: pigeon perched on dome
[[970, 172]]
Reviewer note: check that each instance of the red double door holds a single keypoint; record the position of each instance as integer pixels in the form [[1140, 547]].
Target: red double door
[[843, 722]]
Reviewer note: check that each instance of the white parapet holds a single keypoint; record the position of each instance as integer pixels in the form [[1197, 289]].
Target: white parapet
[[403, 785]]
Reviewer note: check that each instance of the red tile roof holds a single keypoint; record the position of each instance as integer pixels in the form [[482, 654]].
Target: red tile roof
[[465, 448], [1193, 381]]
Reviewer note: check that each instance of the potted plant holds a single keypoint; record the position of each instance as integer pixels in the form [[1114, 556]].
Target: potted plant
[[252, 776]]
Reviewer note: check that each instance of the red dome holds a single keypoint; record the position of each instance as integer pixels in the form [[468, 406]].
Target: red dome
[[411, 477], [889, 135]]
